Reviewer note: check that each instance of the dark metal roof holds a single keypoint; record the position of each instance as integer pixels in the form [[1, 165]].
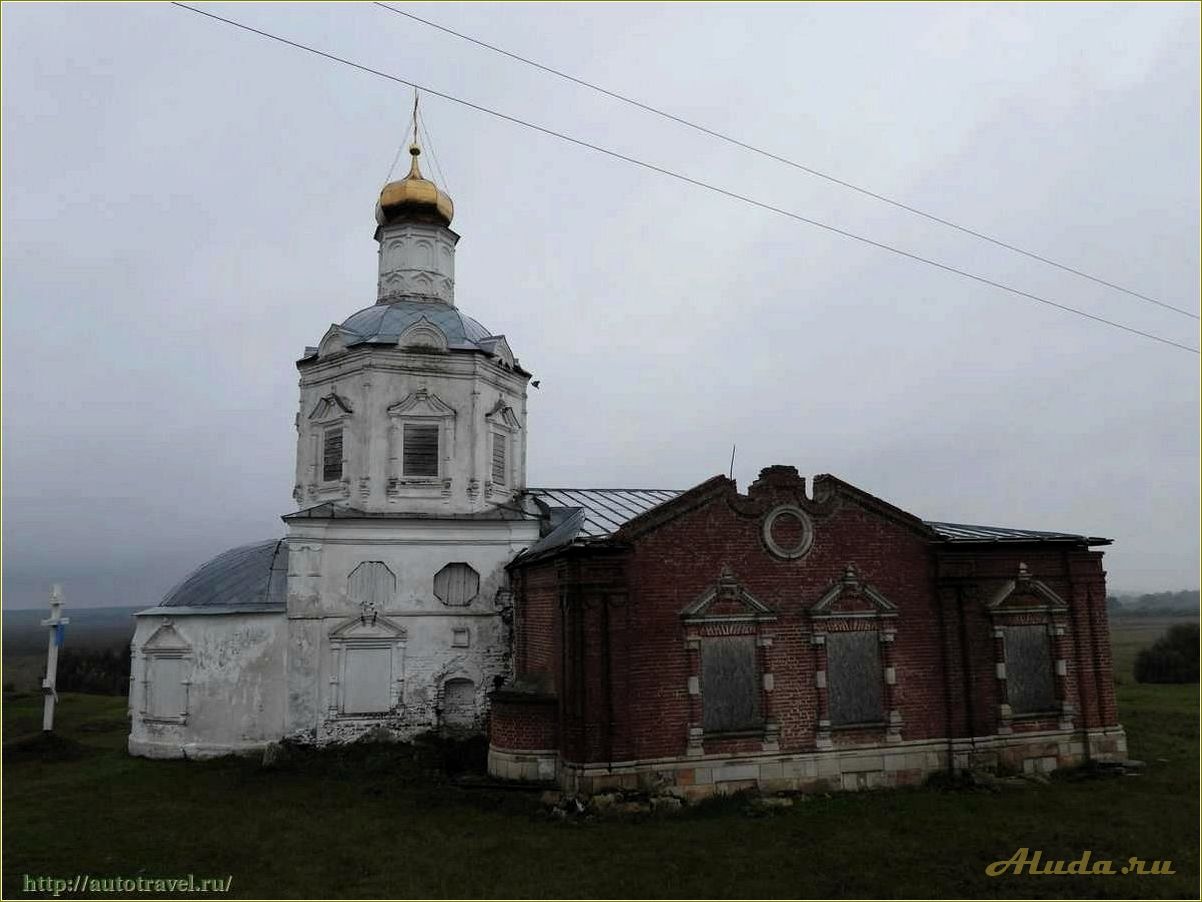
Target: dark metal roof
[[963, 532], [568, 529], [249, 576], [384, 323], [605, 510]]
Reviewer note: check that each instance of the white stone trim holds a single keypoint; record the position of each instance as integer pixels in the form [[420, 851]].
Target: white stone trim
[[807, 531]]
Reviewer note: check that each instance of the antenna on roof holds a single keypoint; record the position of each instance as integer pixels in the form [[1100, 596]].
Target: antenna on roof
[[732, 461]]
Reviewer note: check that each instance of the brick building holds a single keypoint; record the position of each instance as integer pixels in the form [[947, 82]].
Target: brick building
[[704, 638], [712, 641]]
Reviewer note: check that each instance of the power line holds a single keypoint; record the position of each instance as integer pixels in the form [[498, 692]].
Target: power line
[[684, 178], [399, 150], [772, 156], [433, 156]]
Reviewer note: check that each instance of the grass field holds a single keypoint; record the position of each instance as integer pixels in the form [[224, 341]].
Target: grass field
[[372, 822]]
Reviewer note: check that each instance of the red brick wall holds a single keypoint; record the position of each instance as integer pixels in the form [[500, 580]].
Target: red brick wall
[[536, 621], [623, 679], [1077, 577], [518, 725], [673, 565]]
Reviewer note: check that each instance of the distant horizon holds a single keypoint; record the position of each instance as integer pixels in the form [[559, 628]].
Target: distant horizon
[[1111, 593]]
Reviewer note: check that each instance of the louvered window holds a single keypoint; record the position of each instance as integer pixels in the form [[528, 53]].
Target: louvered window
[[331, 455], [499, 449], [456, 584], [421, 449]]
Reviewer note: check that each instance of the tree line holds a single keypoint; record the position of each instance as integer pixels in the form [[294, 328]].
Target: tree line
[[1154, 604]]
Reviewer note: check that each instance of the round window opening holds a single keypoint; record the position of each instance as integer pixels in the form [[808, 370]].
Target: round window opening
[[788, 532]]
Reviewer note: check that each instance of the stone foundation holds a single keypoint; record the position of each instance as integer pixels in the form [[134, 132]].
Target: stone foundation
[[841, 769], [532, 767], [192, 751]]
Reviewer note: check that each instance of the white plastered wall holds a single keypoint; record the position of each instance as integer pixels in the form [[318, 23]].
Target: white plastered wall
[[233, 668], [419, 628]]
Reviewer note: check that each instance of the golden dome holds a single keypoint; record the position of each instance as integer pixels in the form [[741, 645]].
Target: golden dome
[[414, 197]]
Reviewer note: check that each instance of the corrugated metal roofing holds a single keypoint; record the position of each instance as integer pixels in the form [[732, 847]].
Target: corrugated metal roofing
[[605, 510], [964, 532], [254, 575]]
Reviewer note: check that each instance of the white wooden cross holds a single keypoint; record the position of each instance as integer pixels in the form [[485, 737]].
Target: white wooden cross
[[57, 624]]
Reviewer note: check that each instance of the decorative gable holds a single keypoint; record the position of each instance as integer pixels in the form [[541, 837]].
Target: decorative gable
[[421, 404], [166, 640], [727, 600], [332, 405], [502, 415], [498, 347], [333, 342], [850, 596], [368, 626], [423, 335], [1024, 593]]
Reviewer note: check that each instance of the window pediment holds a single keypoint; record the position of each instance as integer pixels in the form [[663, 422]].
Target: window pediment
[[1024, 593], [850, 596], [421, 403], [368, 627], [331, 406], [166, 640], [726, 600], [502, 415]]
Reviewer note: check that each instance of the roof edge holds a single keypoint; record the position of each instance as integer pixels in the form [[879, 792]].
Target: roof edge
[[826, 484], [218, 609], [665, 511]]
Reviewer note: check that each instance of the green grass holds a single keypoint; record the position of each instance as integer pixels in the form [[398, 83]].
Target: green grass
[[374, 823]]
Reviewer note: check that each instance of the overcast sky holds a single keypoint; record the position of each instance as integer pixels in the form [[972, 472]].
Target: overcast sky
[[186, 206]]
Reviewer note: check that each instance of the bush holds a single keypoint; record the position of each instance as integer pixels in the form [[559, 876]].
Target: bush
[[1173, 658], [98, 672]]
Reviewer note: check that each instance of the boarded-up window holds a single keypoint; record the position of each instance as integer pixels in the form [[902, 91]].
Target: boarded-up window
[[367, 680], [854, 683], [331, 455], [421, 449], [459, 702], [165, 692], [730, 684], [1029, 683], [371, 585], [456, 584], [499, 448]]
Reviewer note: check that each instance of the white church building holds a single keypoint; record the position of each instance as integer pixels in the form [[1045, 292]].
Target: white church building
[[386, 602]]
